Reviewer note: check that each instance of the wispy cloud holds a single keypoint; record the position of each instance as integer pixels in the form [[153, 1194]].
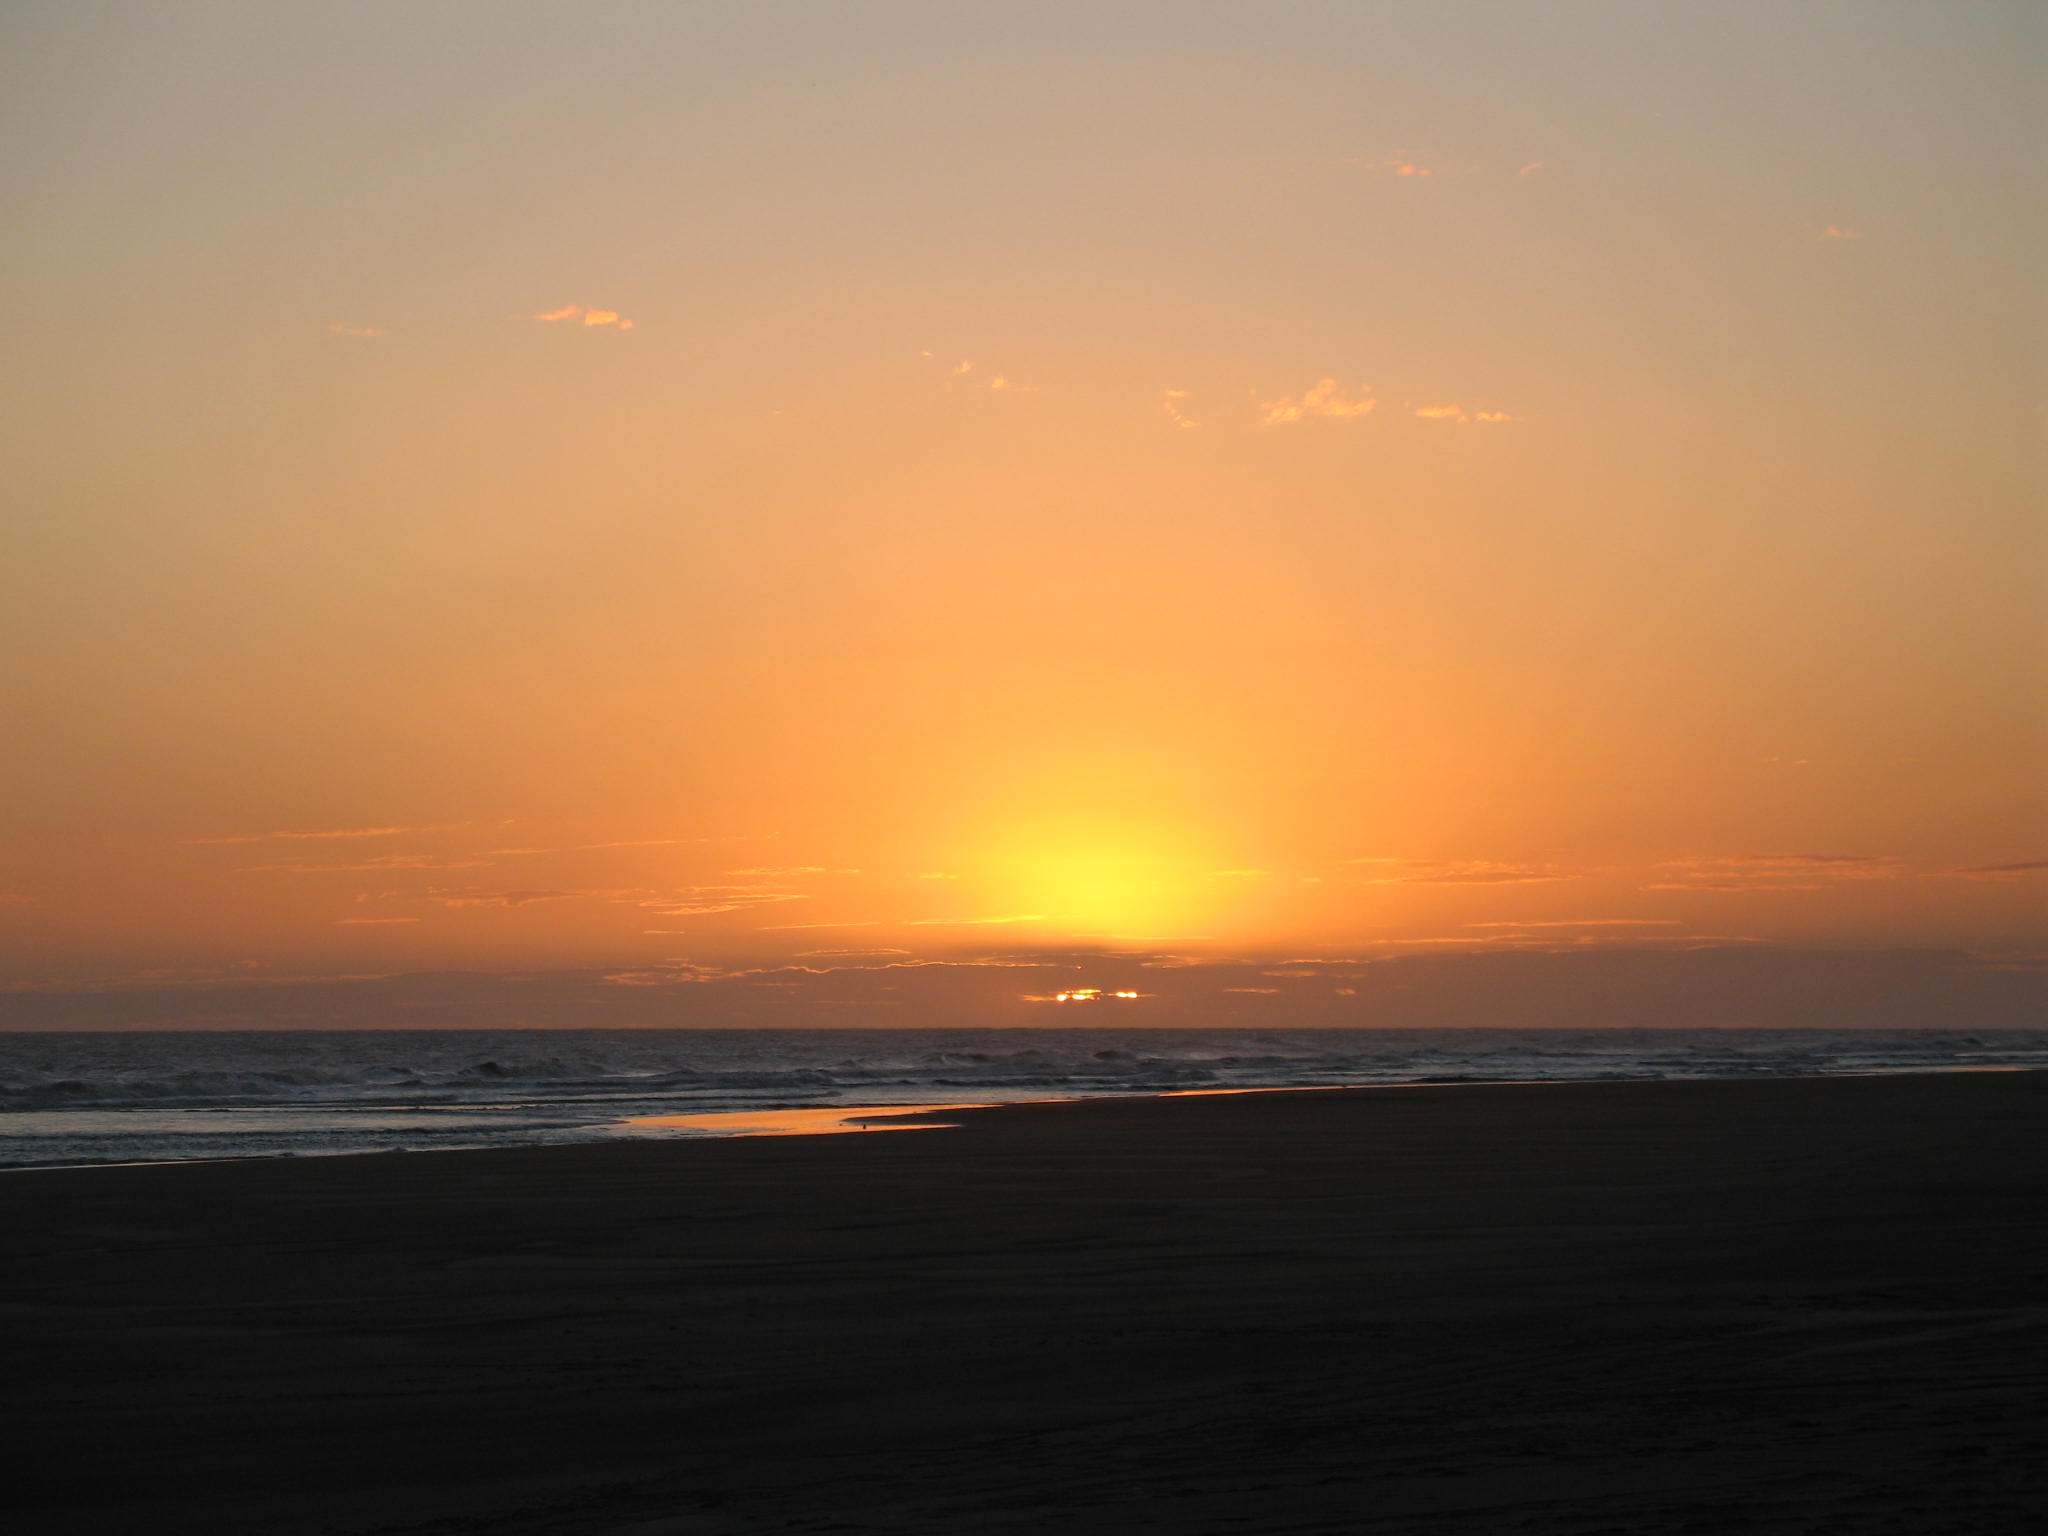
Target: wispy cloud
[[713, 905], [1170, 407], [870, 922], [1396, 165], [1458, 414], [1587, 922], [358, 332], [974, 922], [1326, 398], [387, 862], [1998, 871], [638, 842], [370, 922], [666, 973], [1530, 169], [519, 898], [336, 832], [590, 317], [1838, 232], [1459, 872], [1767, 872], [964, 372]]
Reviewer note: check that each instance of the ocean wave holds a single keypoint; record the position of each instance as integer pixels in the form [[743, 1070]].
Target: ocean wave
[[600, 1076]]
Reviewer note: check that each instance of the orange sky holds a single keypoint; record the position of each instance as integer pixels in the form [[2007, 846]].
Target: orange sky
[[712, 485]]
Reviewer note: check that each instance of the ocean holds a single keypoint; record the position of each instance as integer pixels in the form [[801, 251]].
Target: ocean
[[70, 1099]]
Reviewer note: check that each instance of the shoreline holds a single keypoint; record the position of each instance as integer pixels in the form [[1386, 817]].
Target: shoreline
[[829, 1120], [1775, 1305]]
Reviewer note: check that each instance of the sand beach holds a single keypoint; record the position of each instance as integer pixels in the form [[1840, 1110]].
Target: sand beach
[[1757, 1307]]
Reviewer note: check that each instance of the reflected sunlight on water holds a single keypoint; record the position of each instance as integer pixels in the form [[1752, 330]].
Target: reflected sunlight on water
[[806, 1122]]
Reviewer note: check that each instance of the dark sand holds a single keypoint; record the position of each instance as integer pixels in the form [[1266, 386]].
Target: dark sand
[[1723, 1308]]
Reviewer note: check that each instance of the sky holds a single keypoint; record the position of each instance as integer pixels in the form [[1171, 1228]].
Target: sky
[[647, 493]]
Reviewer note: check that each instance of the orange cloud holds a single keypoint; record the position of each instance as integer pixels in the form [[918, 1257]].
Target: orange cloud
[[590, 316], [1531, 168], [1457, 413], [360, 332], [638, 842], [665, 973], [1588, 922], [506, 898], [1170, 407], [1837, 232], [370, 922], [1326, 398], [1767, 872], [1461, 872], [1999, 871], [264, 837], [388, 861], [974, 922]]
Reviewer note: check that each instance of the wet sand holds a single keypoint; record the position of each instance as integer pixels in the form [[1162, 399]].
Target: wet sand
[[1740, 1307]]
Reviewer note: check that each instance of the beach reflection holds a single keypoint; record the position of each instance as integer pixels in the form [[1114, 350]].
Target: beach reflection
[[810, 1122]]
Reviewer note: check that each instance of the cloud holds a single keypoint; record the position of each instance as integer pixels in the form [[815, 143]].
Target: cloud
[[665, 973], [1781, 861], [1457, 413], [784, 870], [1998, 871], [1004, 385], [640, 842], [1461, 872], [1397, 165], [359, 332], [710, 900], [852, 954], [1587, 922], [596, 317], [19, 899], [370, 922], [507, 898], [870, 922], [712, 906], [1727, 887], [1530, 169], [1326, 398], [264, 837], [1837, 232], [1170, 408], [974, 922], [1775, 871], [388, 861]]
